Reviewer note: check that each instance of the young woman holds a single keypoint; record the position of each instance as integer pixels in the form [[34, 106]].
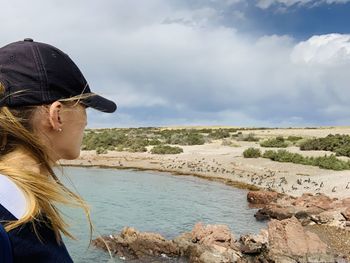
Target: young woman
[[43, 101]]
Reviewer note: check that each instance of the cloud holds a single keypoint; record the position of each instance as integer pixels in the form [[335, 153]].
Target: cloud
[[287, 3], [169, 63], [331, 49]]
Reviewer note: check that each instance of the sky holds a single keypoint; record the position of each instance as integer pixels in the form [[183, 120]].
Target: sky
[[251, 63]]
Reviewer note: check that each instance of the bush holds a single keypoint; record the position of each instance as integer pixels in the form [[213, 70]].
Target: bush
[[343, 151], [252, 153], [154, 142], [137, 148], [326, 162], [187, 138], [277, 142], [248, 138], [101, 150], [166, 149], [228, 142], [334, 143], [294, 138], [219, 134], [93, 140]]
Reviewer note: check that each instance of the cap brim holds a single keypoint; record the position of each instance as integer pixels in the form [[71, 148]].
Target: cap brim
[[99, 103]]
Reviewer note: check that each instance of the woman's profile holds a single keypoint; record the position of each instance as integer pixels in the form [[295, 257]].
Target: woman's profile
[[43, 101]]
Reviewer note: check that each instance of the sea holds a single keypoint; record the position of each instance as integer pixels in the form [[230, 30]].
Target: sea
[[149, 201]]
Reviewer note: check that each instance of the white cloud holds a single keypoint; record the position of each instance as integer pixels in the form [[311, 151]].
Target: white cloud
[[330, 49], [267, 3], [164, 63]]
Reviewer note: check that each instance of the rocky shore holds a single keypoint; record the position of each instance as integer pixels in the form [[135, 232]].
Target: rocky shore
[[308, 208], [291, 235]]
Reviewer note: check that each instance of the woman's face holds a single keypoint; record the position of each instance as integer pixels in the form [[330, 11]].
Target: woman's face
[[74, 121], [63, 129]]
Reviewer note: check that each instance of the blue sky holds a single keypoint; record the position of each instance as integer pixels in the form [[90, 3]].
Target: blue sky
[[273, 63]]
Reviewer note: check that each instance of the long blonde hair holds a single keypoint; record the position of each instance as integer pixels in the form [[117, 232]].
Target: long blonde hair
[[43, 191]]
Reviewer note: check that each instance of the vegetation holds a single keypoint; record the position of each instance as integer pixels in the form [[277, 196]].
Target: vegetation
[[277, 142], [219, 134], [248, 137], [166, 149], [186, 138], [294, 138], [339, 144], [113, 140], [137, 139], [326, 162], [252, 153], [229, 142]]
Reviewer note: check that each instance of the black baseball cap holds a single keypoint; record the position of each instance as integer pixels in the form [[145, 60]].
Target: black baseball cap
[[35, 73]]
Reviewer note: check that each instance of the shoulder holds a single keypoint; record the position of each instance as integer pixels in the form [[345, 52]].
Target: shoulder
[[11, 197]]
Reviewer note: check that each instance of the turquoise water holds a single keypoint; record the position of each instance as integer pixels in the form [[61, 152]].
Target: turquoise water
[[152, 202]]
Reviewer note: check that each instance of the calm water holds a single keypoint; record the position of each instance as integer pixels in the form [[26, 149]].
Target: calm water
[[152, 202]]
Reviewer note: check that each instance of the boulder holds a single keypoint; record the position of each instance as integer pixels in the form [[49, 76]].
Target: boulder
[[254, 244], [288, 242], [133, 244], [213, 235], [261, 197], [274, 211], [320, 201]]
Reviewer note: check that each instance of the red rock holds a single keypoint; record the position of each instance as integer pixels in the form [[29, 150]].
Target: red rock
[[213, 234], [261, 197], [288, 240]]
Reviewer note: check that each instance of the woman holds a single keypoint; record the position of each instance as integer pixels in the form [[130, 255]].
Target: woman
[[43, 101]]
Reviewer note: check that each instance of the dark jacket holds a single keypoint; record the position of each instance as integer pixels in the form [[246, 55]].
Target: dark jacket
[[26, 247]]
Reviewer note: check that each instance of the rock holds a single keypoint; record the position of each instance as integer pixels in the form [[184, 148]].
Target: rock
[[133, 244], [254, 244], [213, 235], [346, 214], [320, 201], [274, 211], [205, 244], [261, 197], [288, 242]]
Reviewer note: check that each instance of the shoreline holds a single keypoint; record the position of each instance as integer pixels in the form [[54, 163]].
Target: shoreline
[[226, 165], [236, 184]]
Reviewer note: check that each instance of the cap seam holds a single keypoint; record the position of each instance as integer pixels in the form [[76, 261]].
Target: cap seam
[[40, 68]]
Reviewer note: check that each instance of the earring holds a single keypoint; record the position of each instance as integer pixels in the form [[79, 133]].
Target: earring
[[59, 130]]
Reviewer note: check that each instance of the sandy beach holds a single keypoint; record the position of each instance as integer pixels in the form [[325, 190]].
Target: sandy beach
[[226, 164]]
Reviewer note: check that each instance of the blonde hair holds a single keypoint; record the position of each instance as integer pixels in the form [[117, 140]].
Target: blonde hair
[[43, 191]]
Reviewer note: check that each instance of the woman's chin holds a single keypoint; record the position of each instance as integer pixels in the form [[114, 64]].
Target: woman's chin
[[71, 156]]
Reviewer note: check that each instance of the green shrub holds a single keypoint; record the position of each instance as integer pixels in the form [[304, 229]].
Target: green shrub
[[294, 138], [228, 142], [154, 142], [248, 138], [101, 150], [326, 162], [329, 143], [187, 138], [166, 149], [343, 151], [277, 142], [219, 134], [93, 140], [252, 153]]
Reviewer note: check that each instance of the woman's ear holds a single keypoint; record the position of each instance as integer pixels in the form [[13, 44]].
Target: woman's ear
[[55, 115]]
